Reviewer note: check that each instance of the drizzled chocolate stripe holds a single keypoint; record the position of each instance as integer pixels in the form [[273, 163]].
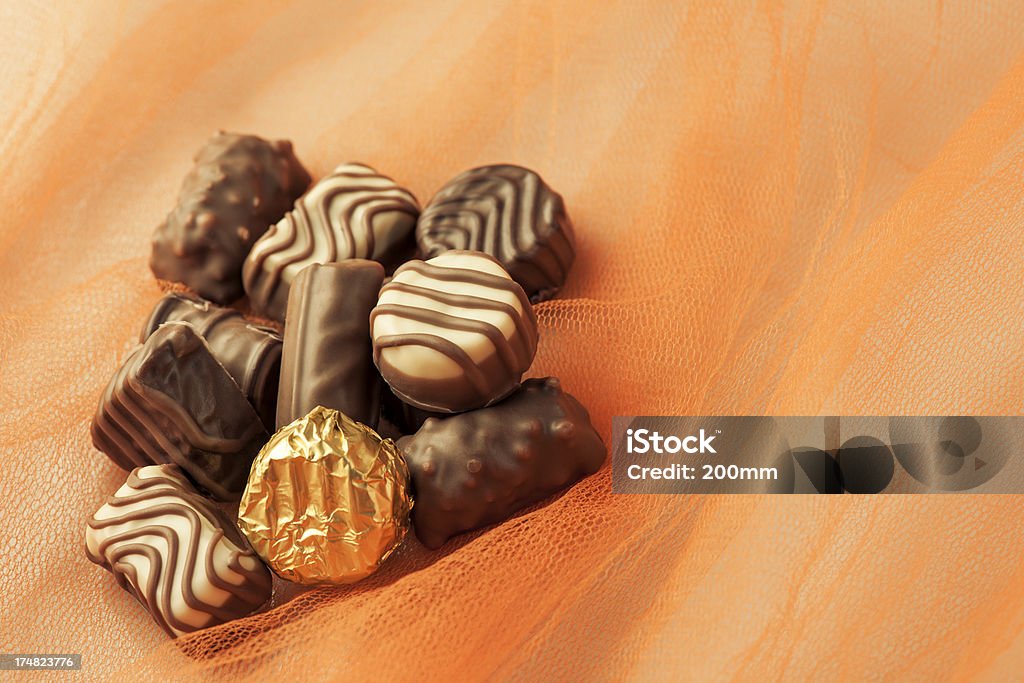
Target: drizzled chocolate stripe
[[473, 277], [285, 244], [509, 357], [303, 227], [353, 213], [367, 198], [452, 308], [116, 432], [191, 561], [510, 213], [470, 301], [160, 591], [524, 321], [452, 351]]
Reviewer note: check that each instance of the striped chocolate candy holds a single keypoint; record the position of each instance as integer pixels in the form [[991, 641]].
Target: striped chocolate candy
[[176, 553], [172, 402], [453, 333], [510, 213], [353, 213]]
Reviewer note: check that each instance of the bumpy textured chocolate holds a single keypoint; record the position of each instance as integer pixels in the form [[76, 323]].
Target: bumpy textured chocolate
[[172, 402], [328, 357], [250, 353], [176, 553], [353, 213], [454, 333], [480, 467], [510, 213], [239, 186]]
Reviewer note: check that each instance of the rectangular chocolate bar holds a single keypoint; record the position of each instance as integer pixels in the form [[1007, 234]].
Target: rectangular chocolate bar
[[328, 356]]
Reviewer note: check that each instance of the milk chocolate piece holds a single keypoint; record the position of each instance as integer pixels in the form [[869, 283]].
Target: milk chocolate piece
[[239, 186], [328, 357], [510, 213], [250, 353], [172, 402], [353, 213], [480, 467], [454, 333], [176, 553]]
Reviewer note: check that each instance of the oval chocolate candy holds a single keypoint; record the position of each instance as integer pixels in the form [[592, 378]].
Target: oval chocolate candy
[[480, 467], [454, 333]]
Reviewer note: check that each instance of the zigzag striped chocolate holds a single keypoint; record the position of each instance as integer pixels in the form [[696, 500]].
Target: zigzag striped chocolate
[[353, 213], [250, 353], [176, 553], [510, 213], [453, 333], [172, 402]]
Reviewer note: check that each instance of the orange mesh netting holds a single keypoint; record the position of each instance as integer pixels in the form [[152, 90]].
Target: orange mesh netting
[[813, 208]]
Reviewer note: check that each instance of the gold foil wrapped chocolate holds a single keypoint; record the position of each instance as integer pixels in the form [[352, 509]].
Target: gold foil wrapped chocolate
[[327, 500]]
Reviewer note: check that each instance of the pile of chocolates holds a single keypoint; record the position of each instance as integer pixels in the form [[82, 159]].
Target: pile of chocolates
[[415, 325]]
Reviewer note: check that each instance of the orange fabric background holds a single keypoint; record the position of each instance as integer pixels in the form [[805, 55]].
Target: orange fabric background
[[803, 208]]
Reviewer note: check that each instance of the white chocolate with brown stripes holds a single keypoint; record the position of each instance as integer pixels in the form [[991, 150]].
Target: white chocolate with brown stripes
[[176, 553], [453, 333], [355, 212]]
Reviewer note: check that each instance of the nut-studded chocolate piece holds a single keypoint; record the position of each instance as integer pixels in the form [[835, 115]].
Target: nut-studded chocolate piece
[[510, 213], [454, 333], [176, 553], [172, 402], [355, 212], [250, 353], [239, 186], [328, 357], [480, 467]]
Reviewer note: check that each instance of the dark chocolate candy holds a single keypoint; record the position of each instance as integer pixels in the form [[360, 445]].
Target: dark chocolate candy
[[510, 213], [172, 402], [406, 419], [176, 552], [250, 353], [239, 186], [480, 467], [454, 333], [355, 212], [328, 356]]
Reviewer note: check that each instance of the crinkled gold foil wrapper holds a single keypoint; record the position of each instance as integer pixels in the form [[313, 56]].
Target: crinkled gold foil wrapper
[[327, 500]]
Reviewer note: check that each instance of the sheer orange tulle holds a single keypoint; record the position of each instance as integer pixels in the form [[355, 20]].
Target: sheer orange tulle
[[806, 208]]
